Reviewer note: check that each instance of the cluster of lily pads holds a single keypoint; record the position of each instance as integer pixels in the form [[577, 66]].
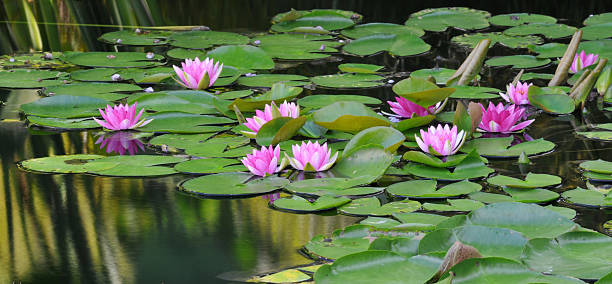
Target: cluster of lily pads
[[228, 111]]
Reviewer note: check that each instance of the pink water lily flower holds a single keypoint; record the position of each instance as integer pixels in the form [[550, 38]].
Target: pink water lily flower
[[121, 117], [502, 118], [198, 75], [263, 162], [271, 111], [517, 94], [583, 60], [311, 157], [441, 140], [403, 107]]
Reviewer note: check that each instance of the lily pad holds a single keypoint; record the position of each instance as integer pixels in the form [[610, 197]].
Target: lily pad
[[319, 101], [454, 205], [471, 40], [183, 53], [66, 164], [351, 117], [348, 80], [428, 189], [285, 276], [104, 91], [551, 100], [214, 147], [471, 167], [181, 122], [232, 185], [439, 19], [368, 29], [551, 31], [589, 198], [267, 80], [359, 68], [371, 207], [597, 166], [30, 79], [210, 166], [389, 138], [206, 39], [584, 255], [278, 94], [516, 19], [278, 130], [531, 76], [474, 93], [531, 181], [181, 141], [395, 44], [365, 162], [297, 46], [421, 91], [128, 37], [333, 186], [549, 50], [189, 101], [350, 240], [242, 57], [517, 61], [112, 59], [38, 60], [329, 21], [64, 106], [63, 123], [419, 221], [440, 74], [499, 147], [531, 195], [599, 177], [531, 220], [433, 161], [150, 75], [598, 19], [301, 205], [136, 166], [486, 197], [598, 31]]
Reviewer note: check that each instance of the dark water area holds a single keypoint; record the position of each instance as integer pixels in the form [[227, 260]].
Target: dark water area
[[91, 229]]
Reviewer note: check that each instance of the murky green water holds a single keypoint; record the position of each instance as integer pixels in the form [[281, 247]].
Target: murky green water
[[89, 229]]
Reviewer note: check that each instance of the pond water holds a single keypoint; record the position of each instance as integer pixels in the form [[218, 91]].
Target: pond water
[[62, 228]]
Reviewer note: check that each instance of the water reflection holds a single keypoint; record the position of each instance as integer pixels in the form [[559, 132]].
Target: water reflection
[[120, 142]]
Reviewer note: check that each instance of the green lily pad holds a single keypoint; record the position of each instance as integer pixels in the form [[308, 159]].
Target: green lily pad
[[64, 106], [589, 198], [66, 164], [205, 39], [389, 267], [181, 141], [387, 137], [598, 177], [551, 31], [598, 19], [30, 79], [517, 61], [564, 211], [267, 80], [488, 198], [319, 101], [372, 207], [597, 31], [36, 60], [368, 29], [499, 147], [111, 59], [301, 205], [531, 181], [278, 94], [326, 21], [428, 189], [218, 147], [584, 255], [471, 167], [413, 122], [474, 93], [401, 245], [351, 117], [471, 40], [419, 221], [104, 91], [531, 220], [183, 53], [149, 75], [63, 123], [285, 276], [136, 166], [181, 122], [439, 19], [395, 44], [189, 101], [532, 76], [348, 80], [242, 57], [489, 241], [278, 130], [433, 161], [599, 135], [350, 240], [531, 195], [549, 50], [440, 74], [210, 166], [201, 142], [333, 186], [235, 94], [421, 92], [552, 100], [297, 46], [232, 185], [454, 205], [516, 19], [367, 161], [500, 270], [360, 68], [128, 37], [597, 166]]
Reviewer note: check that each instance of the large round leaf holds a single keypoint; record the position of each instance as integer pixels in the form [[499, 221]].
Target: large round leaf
[[551, 31], [232, 185], [333, 186], [206, 39], [387, 137], [368, 161], [439, 19], [302, 205], [500, 147], [421, 91], [210, 166], [351, 117], [531, 181], [368, 29], [516, 19], [319, 101], [597, 166], [30, 78], [471, 40], [242, 57], [128, 37], [65, 164], [297, 46], [112, 59], [109, 92], [136, 166], [180, 122], [64, 106], [550, 100], [349, 240], [589, 198], [371, 207], [267, 80], [327, 22], [348, 80], [396, 44], [428, 189], [517, 61]]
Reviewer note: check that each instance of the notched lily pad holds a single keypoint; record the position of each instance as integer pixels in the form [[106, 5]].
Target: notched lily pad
[[302, 205], [531, 181], [397, 45], [439, 19], [588, 198], [348, 81], [371, 207], [66, 164], [518, 61], [232, 185], [500, 147], [143, 38], [516, 19], [205, 39], [428, 189], [112, 59], [471, 40], [30, 79], [549, 30], [349, 117]]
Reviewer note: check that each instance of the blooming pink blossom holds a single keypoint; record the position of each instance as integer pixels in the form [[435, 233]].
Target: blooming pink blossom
[[270, 112], [311, 157], [121, 117], [502, 118], [518, 94], [263, 162], [402, 107], [119, 142], [583, 60], [194, 73], [443, 140]]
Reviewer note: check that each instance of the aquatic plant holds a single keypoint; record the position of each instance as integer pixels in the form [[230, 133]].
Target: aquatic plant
[[121, 117], [517, 94], [403, 107], [271, 111], [441, 140], [120, 142], [582, 61], [311, 157], [198, 75], [502, 118], [263, 162]]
